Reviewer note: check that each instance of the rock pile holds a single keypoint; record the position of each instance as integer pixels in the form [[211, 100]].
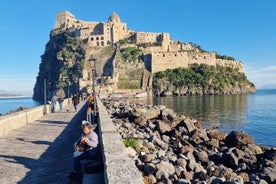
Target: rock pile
[[176, 149]]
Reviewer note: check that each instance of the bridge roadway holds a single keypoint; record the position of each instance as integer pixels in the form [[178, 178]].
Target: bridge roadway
[[41, 152]]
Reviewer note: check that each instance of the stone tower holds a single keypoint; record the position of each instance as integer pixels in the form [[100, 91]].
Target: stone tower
[[118, 29]]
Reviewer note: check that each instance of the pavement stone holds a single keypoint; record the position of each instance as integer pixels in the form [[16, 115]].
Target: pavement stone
[[41, 152]]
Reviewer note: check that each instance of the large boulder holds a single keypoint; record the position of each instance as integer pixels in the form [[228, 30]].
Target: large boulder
[[236, 138]]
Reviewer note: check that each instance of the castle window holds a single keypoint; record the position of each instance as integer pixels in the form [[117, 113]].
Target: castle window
[[92, 39], [175, 55], [98, 44], [97, 38], [102, 38], [102, 43], [204, 57], [108, 42], [164, 55]]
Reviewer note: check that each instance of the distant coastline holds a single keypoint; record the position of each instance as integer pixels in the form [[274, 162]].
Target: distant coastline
[[9, 95]]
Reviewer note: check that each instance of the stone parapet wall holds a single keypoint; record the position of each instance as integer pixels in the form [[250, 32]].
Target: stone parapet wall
[[119, 168], [19, 119]]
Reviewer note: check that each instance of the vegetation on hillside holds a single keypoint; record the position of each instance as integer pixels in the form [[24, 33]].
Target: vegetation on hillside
[[61, 64], [131, 54], [203, 75]]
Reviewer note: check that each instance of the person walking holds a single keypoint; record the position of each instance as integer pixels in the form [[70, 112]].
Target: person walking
[[60, 101], [75, 100], [53, 104]]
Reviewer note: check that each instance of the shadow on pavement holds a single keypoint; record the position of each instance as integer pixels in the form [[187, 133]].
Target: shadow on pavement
[[55, 163]]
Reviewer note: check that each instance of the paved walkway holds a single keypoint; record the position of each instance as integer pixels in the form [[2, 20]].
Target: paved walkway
[[41, 152]]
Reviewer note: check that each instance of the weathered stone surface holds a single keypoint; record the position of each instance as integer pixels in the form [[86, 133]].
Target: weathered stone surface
[[160, 143], [244, 176], [236, 138], [198, 136], [269, 174], [182, 162], [216, 135], [166, 167], [130, 152], [201, 156], [148, 157], [188, 123]]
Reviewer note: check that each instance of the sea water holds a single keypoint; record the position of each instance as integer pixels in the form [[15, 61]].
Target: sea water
[[8, 104], [253, 113]]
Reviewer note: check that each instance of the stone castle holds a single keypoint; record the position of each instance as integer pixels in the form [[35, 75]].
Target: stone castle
[[160, 52]]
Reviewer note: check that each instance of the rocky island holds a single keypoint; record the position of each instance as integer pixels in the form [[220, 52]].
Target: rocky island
[[114, 58]]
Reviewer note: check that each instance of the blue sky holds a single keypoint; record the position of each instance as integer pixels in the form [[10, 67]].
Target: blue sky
[[243, 29]]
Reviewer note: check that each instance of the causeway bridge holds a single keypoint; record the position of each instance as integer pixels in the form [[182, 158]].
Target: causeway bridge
[[37, 148]]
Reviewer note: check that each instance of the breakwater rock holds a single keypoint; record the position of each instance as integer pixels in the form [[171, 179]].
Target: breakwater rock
[[173, 149]]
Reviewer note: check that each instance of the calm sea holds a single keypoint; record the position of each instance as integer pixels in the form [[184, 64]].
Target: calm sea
[[253, 113], [7, 104]]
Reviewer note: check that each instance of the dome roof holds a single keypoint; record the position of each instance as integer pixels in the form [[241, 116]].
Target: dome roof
[[114, 18]]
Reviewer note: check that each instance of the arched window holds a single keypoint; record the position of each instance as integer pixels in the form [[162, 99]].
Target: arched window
[[92, 39], [98, 44], [102, 38], [97, 38], [102, 43], [108, 42]]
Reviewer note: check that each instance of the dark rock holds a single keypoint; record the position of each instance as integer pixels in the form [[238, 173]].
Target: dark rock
[[230, 160], [149, 168], [236, 138]]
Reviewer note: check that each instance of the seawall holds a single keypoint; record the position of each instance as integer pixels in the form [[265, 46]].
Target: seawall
[[16, 120], [119, 168]]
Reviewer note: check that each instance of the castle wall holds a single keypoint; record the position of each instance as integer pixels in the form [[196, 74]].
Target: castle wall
[[233, 64], [202, 58], [168, 60]]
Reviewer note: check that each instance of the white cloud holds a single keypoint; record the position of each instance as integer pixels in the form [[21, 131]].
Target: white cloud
[[261, 76]]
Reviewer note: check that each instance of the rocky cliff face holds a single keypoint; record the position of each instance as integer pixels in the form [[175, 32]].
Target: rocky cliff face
[[168, 89], [61, 65]]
